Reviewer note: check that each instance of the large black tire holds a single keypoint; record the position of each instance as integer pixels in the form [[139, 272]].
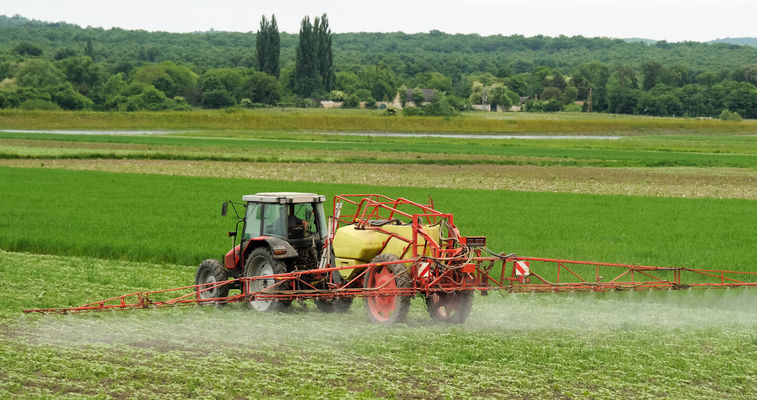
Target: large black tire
[[338, 304], [212, 271], [260, 262], [389, 309], [452, 308]]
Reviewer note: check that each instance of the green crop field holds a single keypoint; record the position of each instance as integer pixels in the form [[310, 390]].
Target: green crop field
[[680, 345], [176, 219], [706, 166], [87, 217]]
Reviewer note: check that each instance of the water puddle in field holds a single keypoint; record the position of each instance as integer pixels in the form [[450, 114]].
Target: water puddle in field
[[97, 132], [468, 136]]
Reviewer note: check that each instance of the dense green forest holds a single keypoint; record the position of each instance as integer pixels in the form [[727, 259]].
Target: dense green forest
[[60, 65]]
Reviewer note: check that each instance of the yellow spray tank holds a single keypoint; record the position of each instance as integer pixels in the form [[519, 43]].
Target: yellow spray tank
[[353, 246]]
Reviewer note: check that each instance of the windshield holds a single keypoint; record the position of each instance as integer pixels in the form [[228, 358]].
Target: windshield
[[274, 220], [286, 221]]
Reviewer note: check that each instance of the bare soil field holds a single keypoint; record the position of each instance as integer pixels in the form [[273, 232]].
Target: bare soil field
[[734, 183]]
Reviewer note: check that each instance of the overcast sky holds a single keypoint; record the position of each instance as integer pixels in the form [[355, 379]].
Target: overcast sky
[[671, 20]]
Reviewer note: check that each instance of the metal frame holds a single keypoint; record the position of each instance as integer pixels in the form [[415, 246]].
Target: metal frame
[[581, 276]]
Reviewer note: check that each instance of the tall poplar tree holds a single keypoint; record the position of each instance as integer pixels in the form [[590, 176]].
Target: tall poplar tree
[[268, 46], [314, 68], [325, 54], [307, 78]]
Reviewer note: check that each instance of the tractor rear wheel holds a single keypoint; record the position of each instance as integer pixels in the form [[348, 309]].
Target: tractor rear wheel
[[453, 307], [387, 309], [260, 262], [211, 271]]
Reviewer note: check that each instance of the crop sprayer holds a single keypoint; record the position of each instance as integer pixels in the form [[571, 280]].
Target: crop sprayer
[[385, 251]]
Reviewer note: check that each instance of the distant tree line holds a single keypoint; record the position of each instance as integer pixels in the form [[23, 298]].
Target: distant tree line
[[51, 66]]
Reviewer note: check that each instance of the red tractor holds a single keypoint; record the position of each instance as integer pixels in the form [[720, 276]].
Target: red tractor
[[281, 232], [361, 254]]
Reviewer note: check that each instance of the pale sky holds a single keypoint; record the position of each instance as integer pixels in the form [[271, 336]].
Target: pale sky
[[671, 20]]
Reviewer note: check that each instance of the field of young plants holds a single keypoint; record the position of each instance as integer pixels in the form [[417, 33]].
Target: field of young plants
[[683, 344], [85, 217]]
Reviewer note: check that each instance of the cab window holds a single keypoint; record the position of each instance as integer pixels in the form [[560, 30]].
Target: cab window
[[306, 217], [274, 220], [252, 221]]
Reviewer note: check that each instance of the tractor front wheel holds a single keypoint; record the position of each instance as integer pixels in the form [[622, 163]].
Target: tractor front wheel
[[260, 262], [211, 271], [451, 307], [386, 308]]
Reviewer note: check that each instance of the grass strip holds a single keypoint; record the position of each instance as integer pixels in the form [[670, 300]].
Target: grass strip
[[652, 153], [364, 120]]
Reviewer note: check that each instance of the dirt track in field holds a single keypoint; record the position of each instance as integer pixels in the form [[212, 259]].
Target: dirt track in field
[[658, 182]]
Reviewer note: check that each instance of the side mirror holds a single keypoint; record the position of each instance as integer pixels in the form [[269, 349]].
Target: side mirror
[[224, 208], [232, 234]]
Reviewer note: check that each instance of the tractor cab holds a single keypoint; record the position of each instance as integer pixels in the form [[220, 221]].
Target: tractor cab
[[290, 226], [281, 232], [284, 215]]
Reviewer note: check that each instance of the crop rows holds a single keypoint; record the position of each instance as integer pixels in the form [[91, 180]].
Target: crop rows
[[176, 219], [690, 344]]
